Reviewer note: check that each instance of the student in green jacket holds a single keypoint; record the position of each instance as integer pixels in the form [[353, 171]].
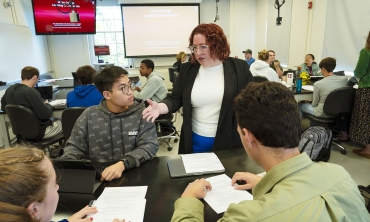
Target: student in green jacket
[[360, 123], [294, 188]]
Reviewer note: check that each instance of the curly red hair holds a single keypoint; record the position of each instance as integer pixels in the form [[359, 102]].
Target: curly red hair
[[215, 39]]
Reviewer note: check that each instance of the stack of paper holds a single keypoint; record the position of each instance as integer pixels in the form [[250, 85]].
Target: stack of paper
[[308, 87], [202, 162], [126, 203], [223, 193]]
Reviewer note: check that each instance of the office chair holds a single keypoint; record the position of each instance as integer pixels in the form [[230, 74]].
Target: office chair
[[26, 127], [339, 73], [339, 101], [69, 117], [173, 75], [260, 79], [167, 132]]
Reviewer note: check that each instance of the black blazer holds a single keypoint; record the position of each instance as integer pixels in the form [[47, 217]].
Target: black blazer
[[236, 77]]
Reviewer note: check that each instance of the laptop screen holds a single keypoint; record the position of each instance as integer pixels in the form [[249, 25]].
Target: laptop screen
[[46, 92]]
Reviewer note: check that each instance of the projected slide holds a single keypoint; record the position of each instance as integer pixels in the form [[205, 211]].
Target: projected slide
[[64, 16], [158, 30]]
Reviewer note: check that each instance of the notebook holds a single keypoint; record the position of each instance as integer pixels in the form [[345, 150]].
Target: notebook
[[177, 169]]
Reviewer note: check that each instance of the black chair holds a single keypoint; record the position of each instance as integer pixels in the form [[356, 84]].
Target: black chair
[[339, 101], [339, 73], [26, 127], [69, 117], [260, 79], [173, 75], [165, 129]]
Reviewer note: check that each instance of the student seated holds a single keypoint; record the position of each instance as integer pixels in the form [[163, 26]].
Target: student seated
[[29, 189], [113, 132], [24, 94], [294, 188], [322, 88], [154, 89], [86, 94], [180, 58], [309, 66], [261, 67], [275, 64]]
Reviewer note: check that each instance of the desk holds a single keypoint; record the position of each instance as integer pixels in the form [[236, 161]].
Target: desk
[[162, 190], [303, 95]]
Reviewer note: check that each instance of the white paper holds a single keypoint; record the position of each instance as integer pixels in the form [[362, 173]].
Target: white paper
[[223, 193], [201, 162], [308, 87], [58, 102], [121, 202]]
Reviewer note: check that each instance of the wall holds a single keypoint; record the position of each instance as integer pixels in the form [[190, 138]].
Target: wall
[[19, 45]]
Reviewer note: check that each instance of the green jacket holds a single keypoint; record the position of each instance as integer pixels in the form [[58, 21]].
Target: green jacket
[[294, 190], [362, 70]]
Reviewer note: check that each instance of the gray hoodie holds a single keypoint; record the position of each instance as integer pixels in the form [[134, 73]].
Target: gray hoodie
[[154, 88], [101, 136]]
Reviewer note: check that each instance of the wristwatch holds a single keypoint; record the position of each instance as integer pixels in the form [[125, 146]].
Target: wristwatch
[[126, 164]]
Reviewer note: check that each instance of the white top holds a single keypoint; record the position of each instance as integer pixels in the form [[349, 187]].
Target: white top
[[206, 99], [261, 68]]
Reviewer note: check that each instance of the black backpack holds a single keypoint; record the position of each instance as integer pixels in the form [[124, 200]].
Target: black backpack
[[316, 142]]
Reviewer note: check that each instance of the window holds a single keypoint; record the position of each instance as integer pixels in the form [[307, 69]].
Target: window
[[109, 32]]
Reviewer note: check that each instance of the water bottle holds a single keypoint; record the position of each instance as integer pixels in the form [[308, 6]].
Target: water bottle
[[299, 85]]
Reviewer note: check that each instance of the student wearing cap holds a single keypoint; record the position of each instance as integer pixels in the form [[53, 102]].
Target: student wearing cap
[[248, 56]]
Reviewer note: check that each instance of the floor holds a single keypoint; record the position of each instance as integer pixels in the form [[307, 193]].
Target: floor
[[358, 167]]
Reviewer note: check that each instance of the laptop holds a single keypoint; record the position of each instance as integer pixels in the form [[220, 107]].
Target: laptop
[[177, 169], [76, 176], [76, 82], [46, 92]]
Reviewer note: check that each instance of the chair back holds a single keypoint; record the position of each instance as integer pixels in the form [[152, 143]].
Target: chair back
[[69, 117], [340, 101], [260, 79], [24, 121], [171, 72], [339, 73]]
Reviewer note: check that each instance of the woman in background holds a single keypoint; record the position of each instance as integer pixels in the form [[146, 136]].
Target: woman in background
[[309, 66], [262, 68], [360, 123], [206, 88], [181, 58], [28, 188]]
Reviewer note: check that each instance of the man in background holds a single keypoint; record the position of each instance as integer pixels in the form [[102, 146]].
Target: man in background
[[248, 56], [86, 94], [275, 64], [24, 94], [154, 88], [294, 188]]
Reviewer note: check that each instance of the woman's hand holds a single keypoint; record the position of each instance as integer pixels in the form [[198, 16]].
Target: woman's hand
[[77, 217], [151, 112]]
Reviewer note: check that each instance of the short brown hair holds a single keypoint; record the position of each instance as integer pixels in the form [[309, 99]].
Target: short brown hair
[[22, 182], [28, 72], [263, 55], [269, 111], [86, 74], [215, 39], [328, 63], [180, 56]]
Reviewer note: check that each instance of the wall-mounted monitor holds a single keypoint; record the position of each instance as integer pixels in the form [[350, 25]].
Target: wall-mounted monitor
[[101, 50], [64, 17], [158, 29]]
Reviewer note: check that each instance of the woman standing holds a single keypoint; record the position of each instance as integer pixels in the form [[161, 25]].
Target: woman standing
[[206, 88], [360, 124], [309, 66]]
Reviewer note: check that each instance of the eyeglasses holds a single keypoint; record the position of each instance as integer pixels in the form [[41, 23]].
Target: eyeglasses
[[126, 88], [201, 48]]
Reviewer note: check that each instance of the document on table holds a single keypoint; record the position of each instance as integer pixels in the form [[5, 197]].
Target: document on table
[[201, 162], [121, 202], [223, 194], [308, 87]]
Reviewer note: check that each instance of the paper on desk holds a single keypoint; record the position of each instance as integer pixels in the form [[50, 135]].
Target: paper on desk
[[201, 162], [121, 202], [308, 87], [223, 194]]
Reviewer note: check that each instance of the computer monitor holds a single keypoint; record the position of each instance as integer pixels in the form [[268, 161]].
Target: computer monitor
[[46, 92], [76, 81]]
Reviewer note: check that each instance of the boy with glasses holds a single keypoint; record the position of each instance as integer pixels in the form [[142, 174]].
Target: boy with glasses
[[113, 132]]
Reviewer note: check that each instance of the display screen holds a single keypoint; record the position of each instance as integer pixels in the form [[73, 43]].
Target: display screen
[[62, 17], [158, 29], [101, 50]]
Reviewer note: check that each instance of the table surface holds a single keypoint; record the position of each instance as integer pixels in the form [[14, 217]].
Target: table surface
[[162, 190]]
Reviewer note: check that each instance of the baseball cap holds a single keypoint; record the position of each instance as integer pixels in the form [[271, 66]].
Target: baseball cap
[[248, 51]]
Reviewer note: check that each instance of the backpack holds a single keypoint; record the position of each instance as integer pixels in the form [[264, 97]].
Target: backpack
[[316, 142]]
